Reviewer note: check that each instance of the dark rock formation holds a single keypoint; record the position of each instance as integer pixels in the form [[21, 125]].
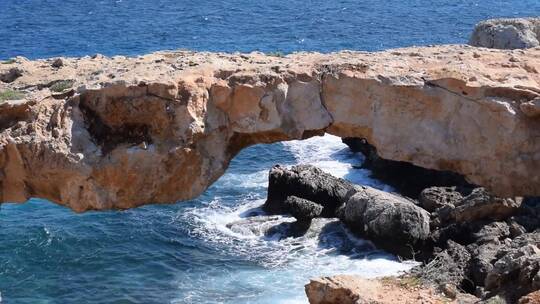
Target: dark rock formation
[[309, 183], [11, 75], [302, 209], [469, 239], [434, 198], [450, 266], [390, 221], [516, 270], [406, 178], [478, 205]]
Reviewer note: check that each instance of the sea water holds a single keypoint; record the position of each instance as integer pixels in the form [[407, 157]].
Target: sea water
[[220, 247]]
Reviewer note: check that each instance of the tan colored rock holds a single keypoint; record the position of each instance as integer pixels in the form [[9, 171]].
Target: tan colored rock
[[162, 127], [532, 298], [346, 289]]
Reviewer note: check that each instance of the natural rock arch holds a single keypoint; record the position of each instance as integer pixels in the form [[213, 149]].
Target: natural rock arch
[[163, 127]]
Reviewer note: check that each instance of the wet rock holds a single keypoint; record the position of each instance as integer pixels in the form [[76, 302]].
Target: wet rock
[[519, 33], [10, 75], [302, 209], [307, 182], [391, 221]]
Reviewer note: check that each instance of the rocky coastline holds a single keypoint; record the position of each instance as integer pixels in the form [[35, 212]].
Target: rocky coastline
[[97, 133], [454, 129], [468, 240]]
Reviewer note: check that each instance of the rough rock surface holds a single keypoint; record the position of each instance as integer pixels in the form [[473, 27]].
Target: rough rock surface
[[518, 33], [344, 289], [306, 182], [102, 133], [303, 209], [434, 198], [515, 271], [478, 205], [392, 222], [406, 178]]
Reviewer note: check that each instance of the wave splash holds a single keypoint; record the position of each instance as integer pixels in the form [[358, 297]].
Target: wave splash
[[286, 262]]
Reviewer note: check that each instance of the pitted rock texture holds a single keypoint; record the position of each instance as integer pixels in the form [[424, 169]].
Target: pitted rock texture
[[116, 133], [517, 33]]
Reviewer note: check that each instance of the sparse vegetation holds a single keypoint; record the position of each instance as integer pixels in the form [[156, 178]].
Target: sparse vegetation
[[407, 281], [9, 61], [10, 95], [61, 86], [276, 54]]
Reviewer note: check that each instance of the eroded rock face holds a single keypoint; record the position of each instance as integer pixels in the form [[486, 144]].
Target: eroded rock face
[[103, 133], [518, 33], [346, 289]]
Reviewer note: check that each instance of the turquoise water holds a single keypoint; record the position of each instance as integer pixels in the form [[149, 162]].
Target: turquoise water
[[209, 250]]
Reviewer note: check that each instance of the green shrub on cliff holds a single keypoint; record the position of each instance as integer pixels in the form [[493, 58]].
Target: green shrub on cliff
[[10, 95], [9, 61], [61, 86]]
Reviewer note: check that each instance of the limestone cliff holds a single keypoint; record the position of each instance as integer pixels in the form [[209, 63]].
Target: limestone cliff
[[102, 133]]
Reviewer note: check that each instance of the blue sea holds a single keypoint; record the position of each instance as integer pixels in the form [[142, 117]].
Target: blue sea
[[217, 248]]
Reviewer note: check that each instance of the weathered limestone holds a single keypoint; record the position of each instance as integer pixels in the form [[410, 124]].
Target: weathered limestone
[[346, 289], [517, 33], [123, 132]]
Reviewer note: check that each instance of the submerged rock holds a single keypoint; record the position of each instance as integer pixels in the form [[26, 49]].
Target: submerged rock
[[518, 33]]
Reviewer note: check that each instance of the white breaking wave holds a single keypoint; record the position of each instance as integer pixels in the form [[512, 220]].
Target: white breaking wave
[[286, 263], [332, 156]]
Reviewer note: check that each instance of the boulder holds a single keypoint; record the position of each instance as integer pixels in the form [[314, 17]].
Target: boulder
[[434, 198], [302, 209], [10, 75], [518, 33], [339, 289], [307, 182], [478, 205], [390, 221]]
